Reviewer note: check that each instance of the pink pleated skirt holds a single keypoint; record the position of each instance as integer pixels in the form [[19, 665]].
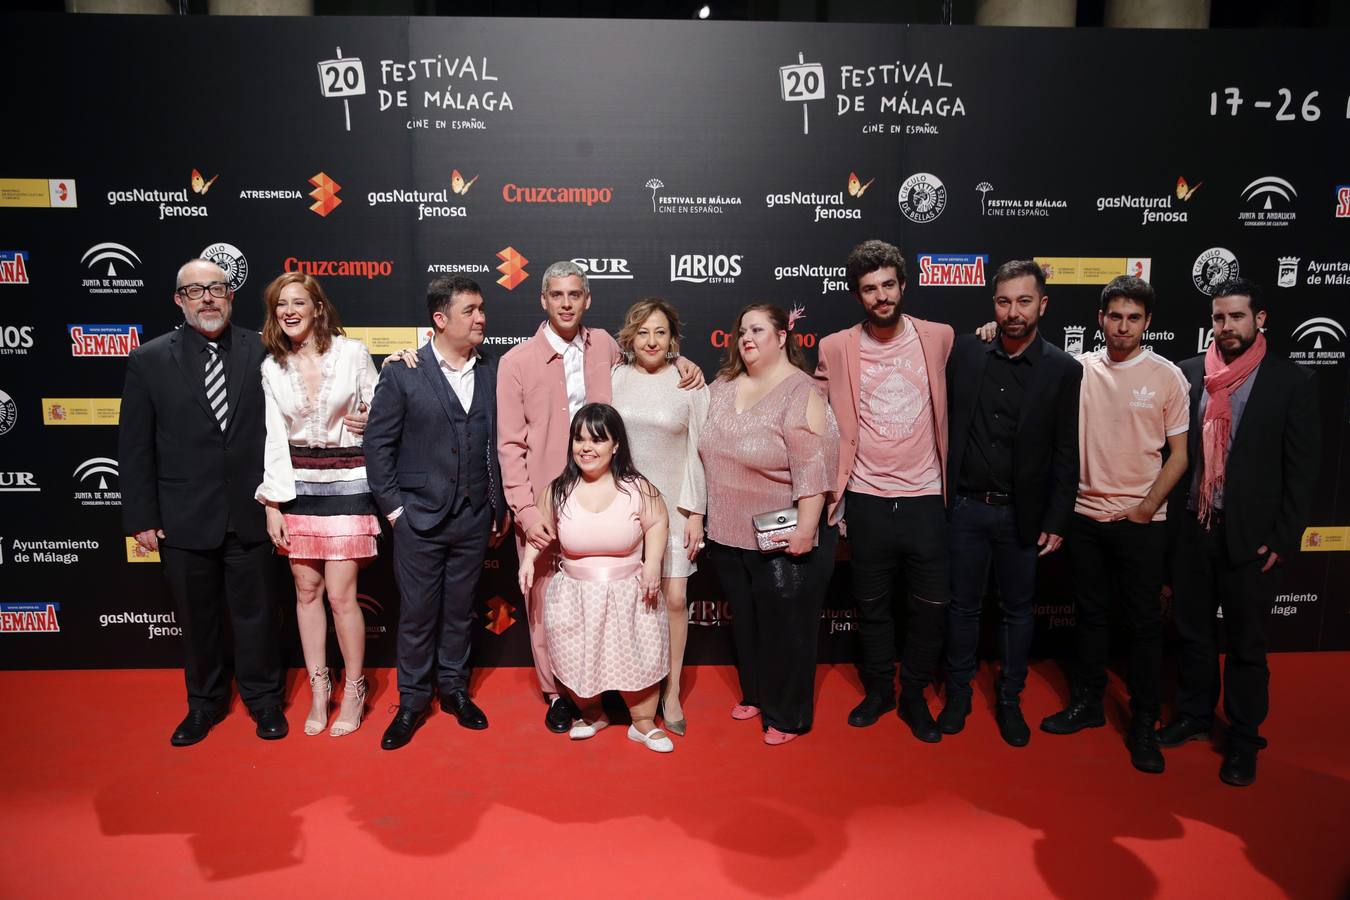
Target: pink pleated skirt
[[333, 515]]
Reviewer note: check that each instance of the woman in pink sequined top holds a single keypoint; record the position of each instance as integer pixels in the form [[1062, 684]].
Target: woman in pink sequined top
[[770, 442]]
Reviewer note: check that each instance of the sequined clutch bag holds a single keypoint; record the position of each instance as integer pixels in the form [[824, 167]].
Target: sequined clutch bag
[[772, 528]]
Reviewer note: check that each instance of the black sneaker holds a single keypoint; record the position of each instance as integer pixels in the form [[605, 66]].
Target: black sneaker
[[1239, 766], [1144, 752], [914, 713], [1075, 717], [1012, 725], [1181, 730], [953, 716], [870, 709]]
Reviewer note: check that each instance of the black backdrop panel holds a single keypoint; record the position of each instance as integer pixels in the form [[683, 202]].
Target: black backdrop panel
[[706, 162]]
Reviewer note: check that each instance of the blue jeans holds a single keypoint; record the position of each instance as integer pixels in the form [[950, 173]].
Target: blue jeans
[[979, 532]]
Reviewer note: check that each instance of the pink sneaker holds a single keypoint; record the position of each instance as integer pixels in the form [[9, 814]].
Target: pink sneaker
[[740, 711], [773, 737]]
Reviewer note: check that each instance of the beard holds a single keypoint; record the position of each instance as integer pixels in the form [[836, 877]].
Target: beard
[[884, 321], [1244, 343]]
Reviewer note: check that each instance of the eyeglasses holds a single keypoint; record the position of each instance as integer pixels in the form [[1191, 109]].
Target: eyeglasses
[[217, 289]]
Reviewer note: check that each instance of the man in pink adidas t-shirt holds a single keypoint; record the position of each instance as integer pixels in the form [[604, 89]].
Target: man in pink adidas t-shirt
[[1132, 403]]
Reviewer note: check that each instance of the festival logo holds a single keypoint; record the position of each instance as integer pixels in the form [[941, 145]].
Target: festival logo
[[910, 94], [103, 340], [512, 268], [29, 618], [9, 413], [952, 269], [16, 340], [231, 260], [1318, 339], [688, 204], [706, 268], [605, 269], [96, 482], [18, 483], [325, 194], [439, 83], [802, 83], [1163, 208], [1271, 196], [1021, 207], [111, 269], [368, 269], [1287, 275], [922, 198], [49, 193], [1212, 268], [13, 267]]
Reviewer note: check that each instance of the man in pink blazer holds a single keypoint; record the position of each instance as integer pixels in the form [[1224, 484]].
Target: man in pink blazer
[[541, 383], [886, 382]]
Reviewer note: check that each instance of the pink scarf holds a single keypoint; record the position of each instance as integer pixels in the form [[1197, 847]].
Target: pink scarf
[[1221, 380]]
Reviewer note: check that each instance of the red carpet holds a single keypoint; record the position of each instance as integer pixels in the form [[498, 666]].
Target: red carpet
[[96, 802]]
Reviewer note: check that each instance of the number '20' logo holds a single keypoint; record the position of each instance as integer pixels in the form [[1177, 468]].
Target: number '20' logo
[[342, 77]]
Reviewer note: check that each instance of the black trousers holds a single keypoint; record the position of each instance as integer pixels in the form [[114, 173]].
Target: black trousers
[[238, 580], [886, 536], [1205, 578], [775, 607], [437, 573], [1110, 559]]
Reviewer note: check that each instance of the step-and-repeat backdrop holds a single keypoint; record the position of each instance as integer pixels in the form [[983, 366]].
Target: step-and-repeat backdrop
[[708, 163]]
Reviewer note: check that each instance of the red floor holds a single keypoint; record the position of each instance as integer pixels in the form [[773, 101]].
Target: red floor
[[96, 802]]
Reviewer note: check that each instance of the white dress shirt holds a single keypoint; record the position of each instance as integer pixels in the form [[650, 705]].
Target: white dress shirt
[[460, 380], [574, 369]]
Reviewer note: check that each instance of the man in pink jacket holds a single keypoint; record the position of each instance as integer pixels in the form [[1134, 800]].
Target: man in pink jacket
[[541, 383], [886, 382]]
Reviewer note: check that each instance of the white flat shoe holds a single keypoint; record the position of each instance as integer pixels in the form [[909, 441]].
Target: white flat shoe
[[655, 739], [581, 729]]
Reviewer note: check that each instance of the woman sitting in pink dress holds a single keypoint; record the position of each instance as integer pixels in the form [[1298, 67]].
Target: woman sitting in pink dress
[[607, 628]]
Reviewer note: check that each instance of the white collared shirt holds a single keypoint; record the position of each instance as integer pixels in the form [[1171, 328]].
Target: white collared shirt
[[460, 380], [574, 368]]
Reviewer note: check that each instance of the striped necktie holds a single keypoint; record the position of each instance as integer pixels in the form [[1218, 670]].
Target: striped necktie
[[215, 385]]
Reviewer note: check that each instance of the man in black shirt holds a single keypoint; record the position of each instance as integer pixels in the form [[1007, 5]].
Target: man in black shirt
[[1013, 413]]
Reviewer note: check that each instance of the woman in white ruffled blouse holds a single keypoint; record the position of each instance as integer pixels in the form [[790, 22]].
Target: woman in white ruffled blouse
[[319, 509]]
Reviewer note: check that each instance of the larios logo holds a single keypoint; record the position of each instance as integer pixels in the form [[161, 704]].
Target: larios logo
[[110, 266], [826, 206], [575, 196], [1162, 208], [29, 618], [103, 340], [705, 268], [340, 268], [16, 340], [13, 267], [952, 269], [171, 204]]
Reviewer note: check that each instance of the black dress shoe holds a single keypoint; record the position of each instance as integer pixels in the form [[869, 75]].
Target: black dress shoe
[[914, 713], [953, 716], [400, 731], [1011, 724], [195, 727], [272, 724], [465, 710], [1181, 730], [1239, 766], [560, 714], [1075, 717], [1144, 753], [870, 709]]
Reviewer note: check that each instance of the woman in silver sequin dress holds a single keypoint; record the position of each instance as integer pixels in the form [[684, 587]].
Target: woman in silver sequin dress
[[664, 424]]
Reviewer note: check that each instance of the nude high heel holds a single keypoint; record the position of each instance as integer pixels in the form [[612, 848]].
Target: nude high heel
[[321, 690], [353, 705]]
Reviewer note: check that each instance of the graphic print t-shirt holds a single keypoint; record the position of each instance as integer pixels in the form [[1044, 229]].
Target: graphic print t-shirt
[[897, 450]]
